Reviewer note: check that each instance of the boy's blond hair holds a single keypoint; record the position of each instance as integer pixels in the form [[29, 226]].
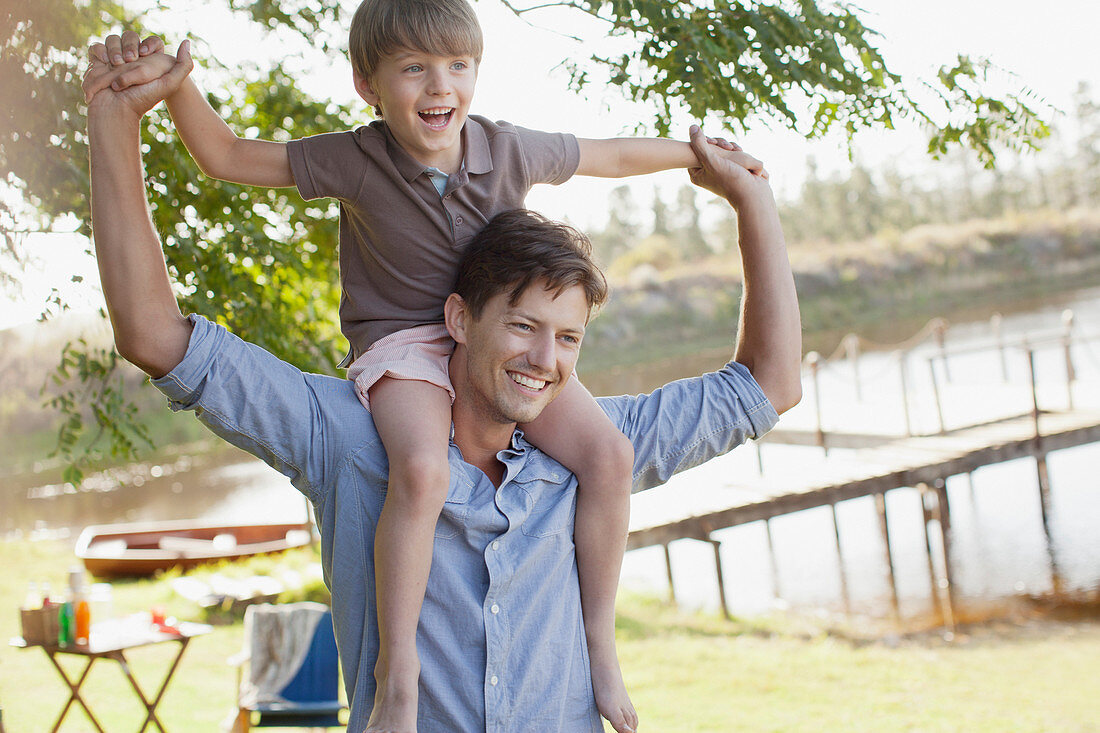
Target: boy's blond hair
[[440, 27]]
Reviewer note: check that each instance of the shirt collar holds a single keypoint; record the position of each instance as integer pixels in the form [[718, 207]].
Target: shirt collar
[[476, 159]]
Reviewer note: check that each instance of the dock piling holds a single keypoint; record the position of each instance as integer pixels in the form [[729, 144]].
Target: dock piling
[[721, 580], [1067, 347], [905, 394], [884, 526], [939, 334], [851, 350], [668, 569], [845, 596], [1034, 390], [1045, 511], [814, 360], [942, 514], [995, 324], [776, 588], [936, 394], [926, 511]]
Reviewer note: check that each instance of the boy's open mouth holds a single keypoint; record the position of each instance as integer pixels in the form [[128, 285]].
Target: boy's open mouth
[[437, 117]]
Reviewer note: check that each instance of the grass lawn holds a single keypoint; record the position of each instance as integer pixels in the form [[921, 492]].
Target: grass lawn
[[686, 672]]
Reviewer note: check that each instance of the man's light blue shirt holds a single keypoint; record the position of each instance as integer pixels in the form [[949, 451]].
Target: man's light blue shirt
[[501, 641]]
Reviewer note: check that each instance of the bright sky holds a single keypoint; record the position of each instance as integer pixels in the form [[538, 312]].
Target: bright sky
[[1049, 47]]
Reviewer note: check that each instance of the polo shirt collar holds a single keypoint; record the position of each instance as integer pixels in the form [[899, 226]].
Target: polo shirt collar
[[477, 157]]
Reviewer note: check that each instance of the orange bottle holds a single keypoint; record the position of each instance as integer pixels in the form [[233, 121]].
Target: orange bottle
[[83, 618]]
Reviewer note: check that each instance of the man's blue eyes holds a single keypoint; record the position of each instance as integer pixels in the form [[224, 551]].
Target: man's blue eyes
[[529, 327]]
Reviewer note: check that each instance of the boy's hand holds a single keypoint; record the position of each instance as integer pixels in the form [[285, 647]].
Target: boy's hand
[[137, 85], [119, 51], [123, 49], [725, 169], [753, 165]]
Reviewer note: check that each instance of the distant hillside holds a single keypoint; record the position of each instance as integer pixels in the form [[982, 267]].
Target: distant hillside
[[862, 286]]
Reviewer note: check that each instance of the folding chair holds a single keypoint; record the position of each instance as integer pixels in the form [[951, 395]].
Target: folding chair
[[305, 696]]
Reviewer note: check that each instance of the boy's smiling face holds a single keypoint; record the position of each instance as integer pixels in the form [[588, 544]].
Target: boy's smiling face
[[424, 99]]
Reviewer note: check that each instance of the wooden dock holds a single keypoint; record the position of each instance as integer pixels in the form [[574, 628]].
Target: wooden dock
[[872, 466]]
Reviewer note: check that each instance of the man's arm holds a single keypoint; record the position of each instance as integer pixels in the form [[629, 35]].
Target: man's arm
[[635, 156], [217, 150], [305, 420], [149, 329], [769, 335]]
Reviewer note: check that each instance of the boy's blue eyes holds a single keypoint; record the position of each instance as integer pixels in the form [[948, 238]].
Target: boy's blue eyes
[[456, 66]]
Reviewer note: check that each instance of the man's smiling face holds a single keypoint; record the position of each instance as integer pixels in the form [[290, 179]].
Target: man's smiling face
[[519, 357]]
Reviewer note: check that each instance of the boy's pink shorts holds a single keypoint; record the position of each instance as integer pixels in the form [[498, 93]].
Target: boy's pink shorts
[[421, 353]]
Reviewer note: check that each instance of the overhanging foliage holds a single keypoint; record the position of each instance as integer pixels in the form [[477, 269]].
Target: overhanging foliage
[[262, 262]]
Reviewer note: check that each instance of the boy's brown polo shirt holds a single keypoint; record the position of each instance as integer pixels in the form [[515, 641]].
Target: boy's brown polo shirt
[[400, 242]]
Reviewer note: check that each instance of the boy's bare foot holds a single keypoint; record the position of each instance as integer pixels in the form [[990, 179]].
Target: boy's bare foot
[[395, 701], [611, 698]]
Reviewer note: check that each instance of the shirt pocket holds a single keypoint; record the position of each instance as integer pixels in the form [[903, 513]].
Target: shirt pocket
[[550, 508], [452, 520]]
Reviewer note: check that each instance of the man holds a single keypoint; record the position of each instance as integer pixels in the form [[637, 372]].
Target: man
[[500, 637]]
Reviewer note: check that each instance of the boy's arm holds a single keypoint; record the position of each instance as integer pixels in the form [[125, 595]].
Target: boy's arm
[[217, 150], [635, 156]]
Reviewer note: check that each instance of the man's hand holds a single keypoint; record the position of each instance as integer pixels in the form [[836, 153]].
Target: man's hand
[[725, 169], [136, 86]]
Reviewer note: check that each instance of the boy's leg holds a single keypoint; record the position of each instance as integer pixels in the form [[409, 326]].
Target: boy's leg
[[577, 433], [413, 419]]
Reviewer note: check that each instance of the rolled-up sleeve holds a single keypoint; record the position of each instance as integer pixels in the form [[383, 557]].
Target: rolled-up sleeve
[[549, 157], [263, 405], [327, 165], [689, 421]]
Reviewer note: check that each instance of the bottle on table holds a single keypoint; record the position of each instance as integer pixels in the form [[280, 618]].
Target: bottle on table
[[33, 599], [65, 632], [82, 612]]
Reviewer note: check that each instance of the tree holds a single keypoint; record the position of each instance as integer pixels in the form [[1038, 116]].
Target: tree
[[262, 262], [809, 65], [689, 233], [622, 231], [660, 214], [1087, 154]]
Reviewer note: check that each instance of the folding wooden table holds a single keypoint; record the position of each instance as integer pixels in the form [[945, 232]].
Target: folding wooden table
[[112, 641]]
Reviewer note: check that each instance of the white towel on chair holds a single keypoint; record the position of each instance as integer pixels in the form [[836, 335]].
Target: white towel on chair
[[277, 638]]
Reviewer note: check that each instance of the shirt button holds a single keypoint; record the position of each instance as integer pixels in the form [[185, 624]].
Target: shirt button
[[493, 680], [495, 545], [494, 609], [458, 220]]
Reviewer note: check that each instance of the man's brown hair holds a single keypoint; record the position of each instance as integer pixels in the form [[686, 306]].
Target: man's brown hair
[[519, 248], [440, 27]]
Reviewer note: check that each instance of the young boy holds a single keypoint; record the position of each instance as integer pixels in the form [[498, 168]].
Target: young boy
[[414, 186]]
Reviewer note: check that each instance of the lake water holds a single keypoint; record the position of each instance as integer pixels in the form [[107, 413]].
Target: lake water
[[999, 547]]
